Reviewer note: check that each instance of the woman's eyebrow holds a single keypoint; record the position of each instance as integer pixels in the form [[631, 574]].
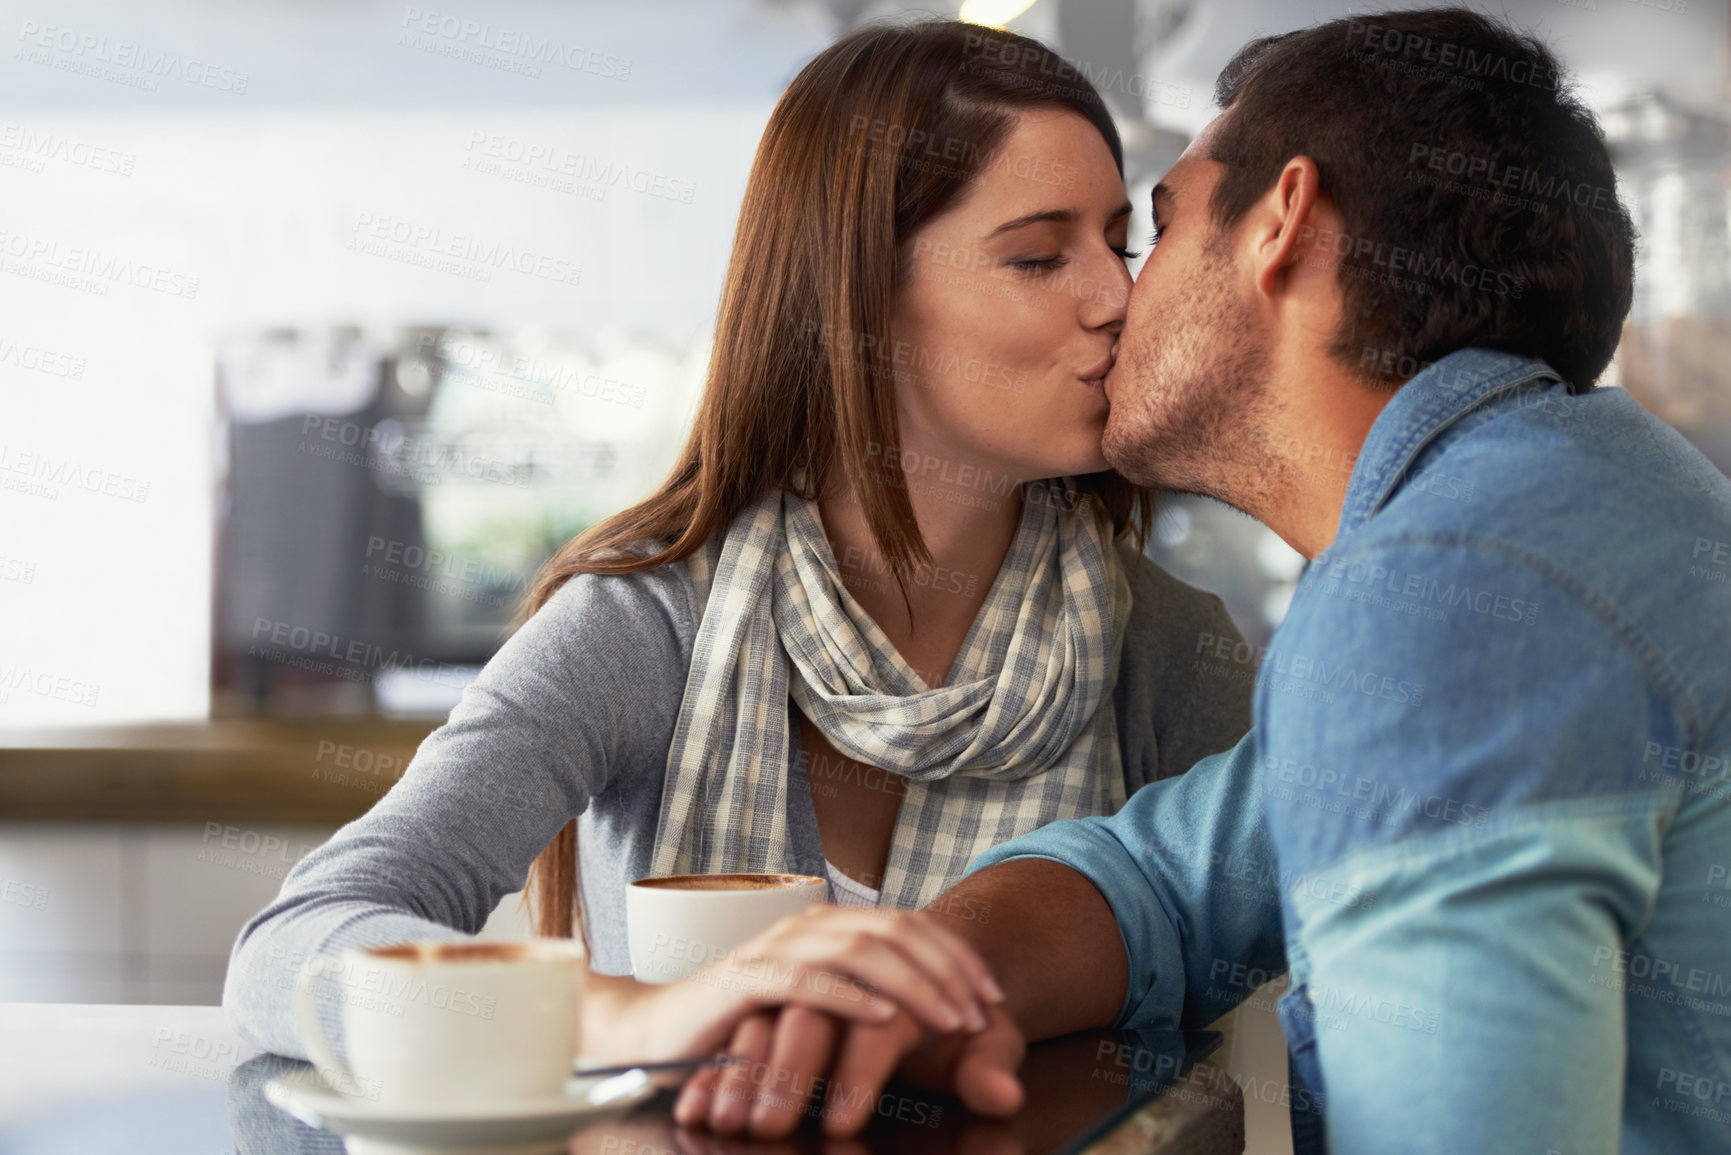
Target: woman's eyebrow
[[1061, 216]]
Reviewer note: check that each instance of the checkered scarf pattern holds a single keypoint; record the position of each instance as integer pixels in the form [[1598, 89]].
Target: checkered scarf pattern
[[1022, 733]]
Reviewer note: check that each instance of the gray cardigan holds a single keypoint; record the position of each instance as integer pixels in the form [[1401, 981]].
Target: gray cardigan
[[574, 716]]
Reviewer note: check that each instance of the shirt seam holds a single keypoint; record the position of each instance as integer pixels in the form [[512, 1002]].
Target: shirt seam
[[1656, 670], [1416, 849], [1417, 437]]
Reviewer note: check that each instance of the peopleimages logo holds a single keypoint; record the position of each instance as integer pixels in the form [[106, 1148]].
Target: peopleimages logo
[[90, 269], [1395, 259], [393, 452], [940, 578], [46, 684], [47, 472], [554, 160], [1060, 76], [1331, 1005], [91, 51], [349, 657], [415, 242], [917, 145], [1388, 45], [1703, 1089], [927, 467], [1366, 797], [41, 360], [1421, 594], [1267, 881], [40, 147], [1527, 181], [398, 990], [23, 894], [445, 34], [920, 363], [1692, 980], [1299, 672], [494, 370]]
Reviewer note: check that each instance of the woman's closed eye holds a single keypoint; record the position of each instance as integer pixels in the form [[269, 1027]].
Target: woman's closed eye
[[1043, 264]]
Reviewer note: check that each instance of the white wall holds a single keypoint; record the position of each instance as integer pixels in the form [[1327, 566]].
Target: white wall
[[266, 208]]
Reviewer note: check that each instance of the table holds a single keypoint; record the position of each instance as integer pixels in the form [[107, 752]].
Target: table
[[147, 1079]]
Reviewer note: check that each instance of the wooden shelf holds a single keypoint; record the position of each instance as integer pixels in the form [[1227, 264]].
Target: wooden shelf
[[322, 771]]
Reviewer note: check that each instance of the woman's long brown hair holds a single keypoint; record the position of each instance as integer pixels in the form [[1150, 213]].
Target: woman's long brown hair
[[873, 138]]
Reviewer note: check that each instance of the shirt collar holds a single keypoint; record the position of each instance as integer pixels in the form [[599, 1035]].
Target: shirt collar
[[1438, 396]]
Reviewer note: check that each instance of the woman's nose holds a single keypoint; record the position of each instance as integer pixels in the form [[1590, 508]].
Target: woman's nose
[[1107, 304]]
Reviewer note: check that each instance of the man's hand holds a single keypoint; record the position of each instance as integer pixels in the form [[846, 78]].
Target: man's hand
[[858, 965], [1040, 929], [787, 1056]]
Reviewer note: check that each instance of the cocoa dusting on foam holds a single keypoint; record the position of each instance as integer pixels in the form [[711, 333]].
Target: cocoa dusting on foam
[[467, 952], [727, 882]]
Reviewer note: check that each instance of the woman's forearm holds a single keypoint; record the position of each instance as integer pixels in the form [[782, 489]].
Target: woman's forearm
[[611, 1012], [626, 1021]]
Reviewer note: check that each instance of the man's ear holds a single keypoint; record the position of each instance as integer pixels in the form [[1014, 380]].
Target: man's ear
[[1285, 222]]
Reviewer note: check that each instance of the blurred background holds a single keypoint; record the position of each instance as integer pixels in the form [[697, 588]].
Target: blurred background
[[325, 323]]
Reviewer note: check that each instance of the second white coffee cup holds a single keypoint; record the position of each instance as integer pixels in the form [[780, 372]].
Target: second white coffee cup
[[678, 924]]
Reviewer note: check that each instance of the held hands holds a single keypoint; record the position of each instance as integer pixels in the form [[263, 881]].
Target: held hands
[[788, 1053], [864, 986]]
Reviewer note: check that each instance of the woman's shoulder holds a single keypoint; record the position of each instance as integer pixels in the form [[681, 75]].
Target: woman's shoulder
[[1164, 607], [1175, 706], [646, 613]]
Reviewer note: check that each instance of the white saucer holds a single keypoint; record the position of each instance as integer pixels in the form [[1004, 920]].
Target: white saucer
[[538, 1125]]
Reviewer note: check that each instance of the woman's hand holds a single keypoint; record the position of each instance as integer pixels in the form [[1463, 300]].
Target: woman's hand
[[860, 965]]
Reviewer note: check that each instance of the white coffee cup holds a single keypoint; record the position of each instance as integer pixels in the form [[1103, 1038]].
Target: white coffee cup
[[437, 1025], [680, 923]]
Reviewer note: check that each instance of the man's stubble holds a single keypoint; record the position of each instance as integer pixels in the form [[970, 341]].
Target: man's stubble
[[1197, 415]]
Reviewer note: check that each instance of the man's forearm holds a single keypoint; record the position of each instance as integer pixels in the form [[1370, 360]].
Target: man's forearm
[[1049, 937]]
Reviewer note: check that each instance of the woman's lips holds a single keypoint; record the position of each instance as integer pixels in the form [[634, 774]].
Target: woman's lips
[[1095, 378]]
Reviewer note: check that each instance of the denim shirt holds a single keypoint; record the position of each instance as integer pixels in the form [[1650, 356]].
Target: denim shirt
[[1484, 813]]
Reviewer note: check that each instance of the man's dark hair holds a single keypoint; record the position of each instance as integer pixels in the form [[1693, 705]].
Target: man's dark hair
[[1479, 202]]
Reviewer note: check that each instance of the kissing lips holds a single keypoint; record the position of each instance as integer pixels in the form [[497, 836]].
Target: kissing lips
[[1095, 378]]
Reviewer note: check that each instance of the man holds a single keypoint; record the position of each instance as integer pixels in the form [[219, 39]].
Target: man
[[1484, 815]]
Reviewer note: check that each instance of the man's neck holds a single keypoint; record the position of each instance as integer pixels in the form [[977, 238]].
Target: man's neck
[[1314, 441]]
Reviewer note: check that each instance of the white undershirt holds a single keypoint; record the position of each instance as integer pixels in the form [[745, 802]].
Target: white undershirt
[[848, 892]]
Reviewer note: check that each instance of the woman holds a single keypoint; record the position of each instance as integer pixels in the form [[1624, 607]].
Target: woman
[[877, 619]]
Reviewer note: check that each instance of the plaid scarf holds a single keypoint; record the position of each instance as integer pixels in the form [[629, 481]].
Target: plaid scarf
[[1023, 732]]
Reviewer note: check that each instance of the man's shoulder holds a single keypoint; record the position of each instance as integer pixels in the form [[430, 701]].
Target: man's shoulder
[[1591, 501], [1556, 471]]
